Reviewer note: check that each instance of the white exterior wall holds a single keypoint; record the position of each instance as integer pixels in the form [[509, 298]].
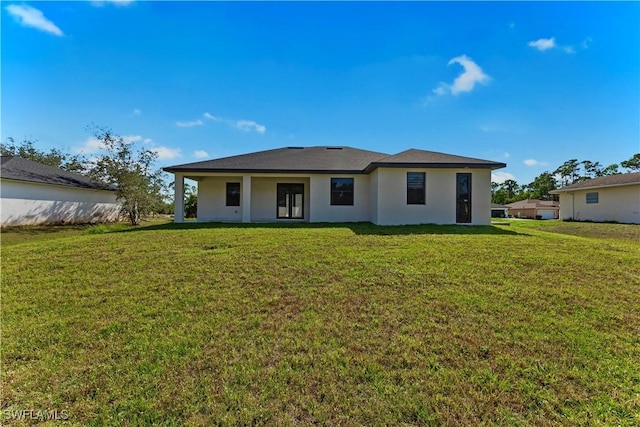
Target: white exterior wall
[[27, 203], [440, 206], [621, 204], [212, 199], [480, 195], [323, 211], [379, 197], [374, 205], [264, 198], [317, 198]]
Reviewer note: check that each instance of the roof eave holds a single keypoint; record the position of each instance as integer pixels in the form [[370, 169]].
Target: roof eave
[[59, 184], [268, 171], [448, 165], [595, 187]]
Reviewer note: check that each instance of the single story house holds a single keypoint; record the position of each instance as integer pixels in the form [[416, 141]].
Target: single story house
[[607, 198], [340, 184], [499, 211], [534, 209], [32, 193]]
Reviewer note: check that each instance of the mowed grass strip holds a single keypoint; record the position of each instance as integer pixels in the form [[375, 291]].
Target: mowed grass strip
[[330, 324]]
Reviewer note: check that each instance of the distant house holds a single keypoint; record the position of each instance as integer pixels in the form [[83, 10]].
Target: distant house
[[607, 198], [340, 184], [534, 209], [499, 211], [32, 193]]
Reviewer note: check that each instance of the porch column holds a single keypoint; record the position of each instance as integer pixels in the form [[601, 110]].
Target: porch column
[[178, 200], [246, 198]]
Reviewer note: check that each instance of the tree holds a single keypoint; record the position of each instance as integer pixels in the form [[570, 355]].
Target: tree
[[139, 185], [511, 187], [591, 169], [633, 163], [54, 157], [568, 172], [542, 185], [611, 170], [191, 201]]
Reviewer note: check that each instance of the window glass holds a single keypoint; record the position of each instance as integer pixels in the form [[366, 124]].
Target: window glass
[[592, 197], [233, 194], [342, 191], [415, 188]]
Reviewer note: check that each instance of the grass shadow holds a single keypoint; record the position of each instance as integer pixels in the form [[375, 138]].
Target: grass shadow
[[359, 228]]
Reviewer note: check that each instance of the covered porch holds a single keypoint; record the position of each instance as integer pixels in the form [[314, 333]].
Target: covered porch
[[229, 197]]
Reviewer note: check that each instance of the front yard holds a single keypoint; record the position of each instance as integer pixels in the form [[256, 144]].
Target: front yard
[[348, 324]]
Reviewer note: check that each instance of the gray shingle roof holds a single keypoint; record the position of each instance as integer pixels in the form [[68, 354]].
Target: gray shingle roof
[[432, 159], [603, 181], [289, 159], [325, 159], [20, 169]]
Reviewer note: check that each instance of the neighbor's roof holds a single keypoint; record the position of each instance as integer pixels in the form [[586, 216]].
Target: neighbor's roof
[[325, 159], [19, 169], [602, 182], [534, 204]]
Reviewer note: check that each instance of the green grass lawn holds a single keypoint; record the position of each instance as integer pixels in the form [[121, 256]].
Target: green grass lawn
[[534, 323]]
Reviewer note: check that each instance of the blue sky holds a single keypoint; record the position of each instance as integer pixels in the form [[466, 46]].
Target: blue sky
[[530, 84]]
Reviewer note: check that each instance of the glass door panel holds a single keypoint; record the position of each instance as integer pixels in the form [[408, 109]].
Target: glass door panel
[[463, 197], [290, 201]]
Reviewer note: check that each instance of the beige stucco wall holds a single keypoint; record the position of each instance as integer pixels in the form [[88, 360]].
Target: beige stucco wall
[[323, 211], [212, 191], [440, 206], [621, 204], [379, 197], [373, 197], [317, 198], [26, 203]]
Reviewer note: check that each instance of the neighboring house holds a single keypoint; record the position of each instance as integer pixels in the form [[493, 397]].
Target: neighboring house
[[340, 184], [534, 209], [33, 193], [499, 211], [607, 198]]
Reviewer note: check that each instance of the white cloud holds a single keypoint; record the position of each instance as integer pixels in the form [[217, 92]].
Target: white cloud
[[189, 124], [534, 162], [136, 112], [466, 81], [100, 3], [249, 125], [507, 155], [165, 153], [243, 125], [31, 17], [91, 145], [135, 138], [94, 145], [500, 177], [201, 154], [546, 44], [543, 44]]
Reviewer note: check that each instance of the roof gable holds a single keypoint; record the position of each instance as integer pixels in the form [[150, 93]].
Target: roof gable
[[327, 159], [19, 169]]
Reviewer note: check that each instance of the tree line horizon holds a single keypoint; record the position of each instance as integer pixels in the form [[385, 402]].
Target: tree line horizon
[[570, 172], [143, 191]]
